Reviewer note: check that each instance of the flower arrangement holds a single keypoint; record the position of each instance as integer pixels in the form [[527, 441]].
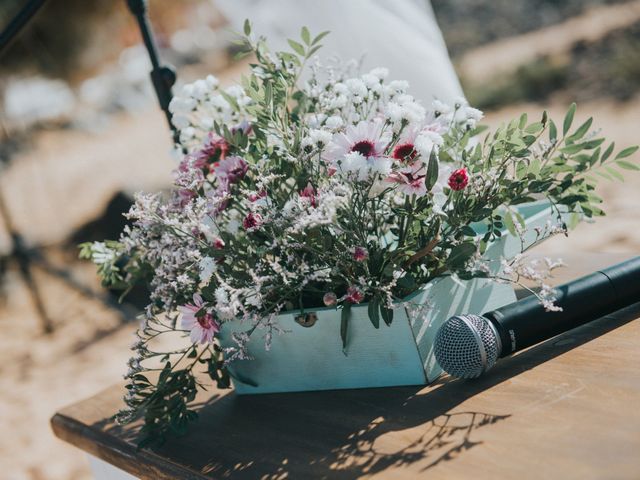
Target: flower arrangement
[[312, 185]]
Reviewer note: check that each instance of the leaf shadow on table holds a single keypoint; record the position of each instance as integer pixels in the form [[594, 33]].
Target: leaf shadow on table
[[345, 434]]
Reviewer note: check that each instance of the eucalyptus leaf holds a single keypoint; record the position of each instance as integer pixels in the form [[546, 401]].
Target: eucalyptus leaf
[[374, 311], [568, 119], [432, 170], [344, 325]]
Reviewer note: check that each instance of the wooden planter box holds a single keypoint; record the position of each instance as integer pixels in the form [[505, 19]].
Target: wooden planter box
[[311, 358]]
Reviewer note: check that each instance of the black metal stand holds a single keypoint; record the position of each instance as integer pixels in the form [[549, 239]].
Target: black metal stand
[[163, 77]]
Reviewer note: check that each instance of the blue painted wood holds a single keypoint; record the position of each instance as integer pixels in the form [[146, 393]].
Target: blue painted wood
[[311, 358]]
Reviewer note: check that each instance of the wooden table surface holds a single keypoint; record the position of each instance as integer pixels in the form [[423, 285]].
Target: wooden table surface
[[566, 408]]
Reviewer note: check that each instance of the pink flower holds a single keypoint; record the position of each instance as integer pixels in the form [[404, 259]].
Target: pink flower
[[202, 327], [230, 170], [218, 244], [252, 221], [360, 254], [255, 196], [354, 295], [309, 194], [365, 138], [215, 148], [458, 179], [185, 196], [404, 152], [410, 180], [330, 299]]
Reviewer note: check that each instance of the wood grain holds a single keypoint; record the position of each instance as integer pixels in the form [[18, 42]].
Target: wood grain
[[566, 408]]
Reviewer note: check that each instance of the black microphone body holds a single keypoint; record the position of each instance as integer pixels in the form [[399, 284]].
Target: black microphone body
[[525, 323], [468, 345]]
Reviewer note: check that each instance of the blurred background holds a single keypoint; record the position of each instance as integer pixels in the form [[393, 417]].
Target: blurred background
[[80, 131]]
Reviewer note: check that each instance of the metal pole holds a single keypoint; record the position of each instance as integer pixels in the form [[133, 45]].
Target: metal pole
[[18, 22], [163, 77]]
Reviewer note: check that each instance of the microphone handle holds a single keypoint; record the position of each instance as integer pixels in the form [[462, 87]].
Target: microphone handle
[[525, 323]]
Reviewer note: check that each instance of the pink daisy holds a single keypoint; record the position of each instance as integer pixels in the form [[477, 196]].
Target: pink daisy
[[405, 150], [410, 180], [202, 327], [364, 138], [230, 169]]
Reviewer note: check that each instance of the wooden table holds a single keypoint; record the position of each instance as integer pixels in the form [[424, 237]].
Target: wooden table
[[566, 408]]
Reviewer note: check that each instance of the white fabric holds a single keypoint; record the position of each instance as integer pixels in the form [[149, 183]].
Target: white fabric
[[401, 35]]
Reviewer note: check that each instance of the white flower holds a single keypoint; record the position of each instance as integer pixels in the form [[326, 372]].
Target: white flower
[[380, 72], [318, 138], [440, 107], [180, 121], [357, 87], [314, 120], [365, 138], [181, 105], [394, 112], [353, 162], [200, 89], [341, 89], [371, 81], [334, 122], [212, 82], [399, 86], [426, 142], [222, 297], [207, 267]]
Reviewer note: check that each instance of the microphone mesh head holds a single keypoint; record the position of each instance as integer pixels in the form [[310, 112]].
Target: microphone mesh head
[[466, 346]]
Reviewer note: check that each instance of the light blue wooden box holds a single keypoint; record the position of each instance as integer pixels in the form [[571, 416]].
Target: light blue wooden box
[[311, 358]]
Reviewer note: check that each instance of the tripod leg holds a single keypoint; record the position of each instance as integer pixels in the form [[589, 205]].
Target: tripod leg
[[20, 253], [24, 265]]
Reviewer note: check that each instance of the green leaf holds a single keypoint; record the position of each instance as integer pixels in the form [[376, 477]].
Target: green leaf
[[387, 314], [574, 219], [305, 35], [247, 27], [582, 129], [432, 170], [627, 165], [607, 153], [614, 173], [627, 152], [468, 231], [297, 47], [313, 50], [568, 119], [344, 325], [508, 221], [230, 100], [571, 149], [374, 311], [553, 130], [534, 128], [319, 37], [523, 121], [460, 254]]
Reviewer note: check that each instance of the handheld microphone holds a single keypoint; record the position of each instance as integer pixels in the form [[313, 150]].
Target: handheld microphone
[[468, 345]]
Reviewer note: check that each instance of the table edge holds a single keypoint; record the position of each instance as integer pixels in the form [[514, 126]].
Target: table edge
[[140, 463]]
